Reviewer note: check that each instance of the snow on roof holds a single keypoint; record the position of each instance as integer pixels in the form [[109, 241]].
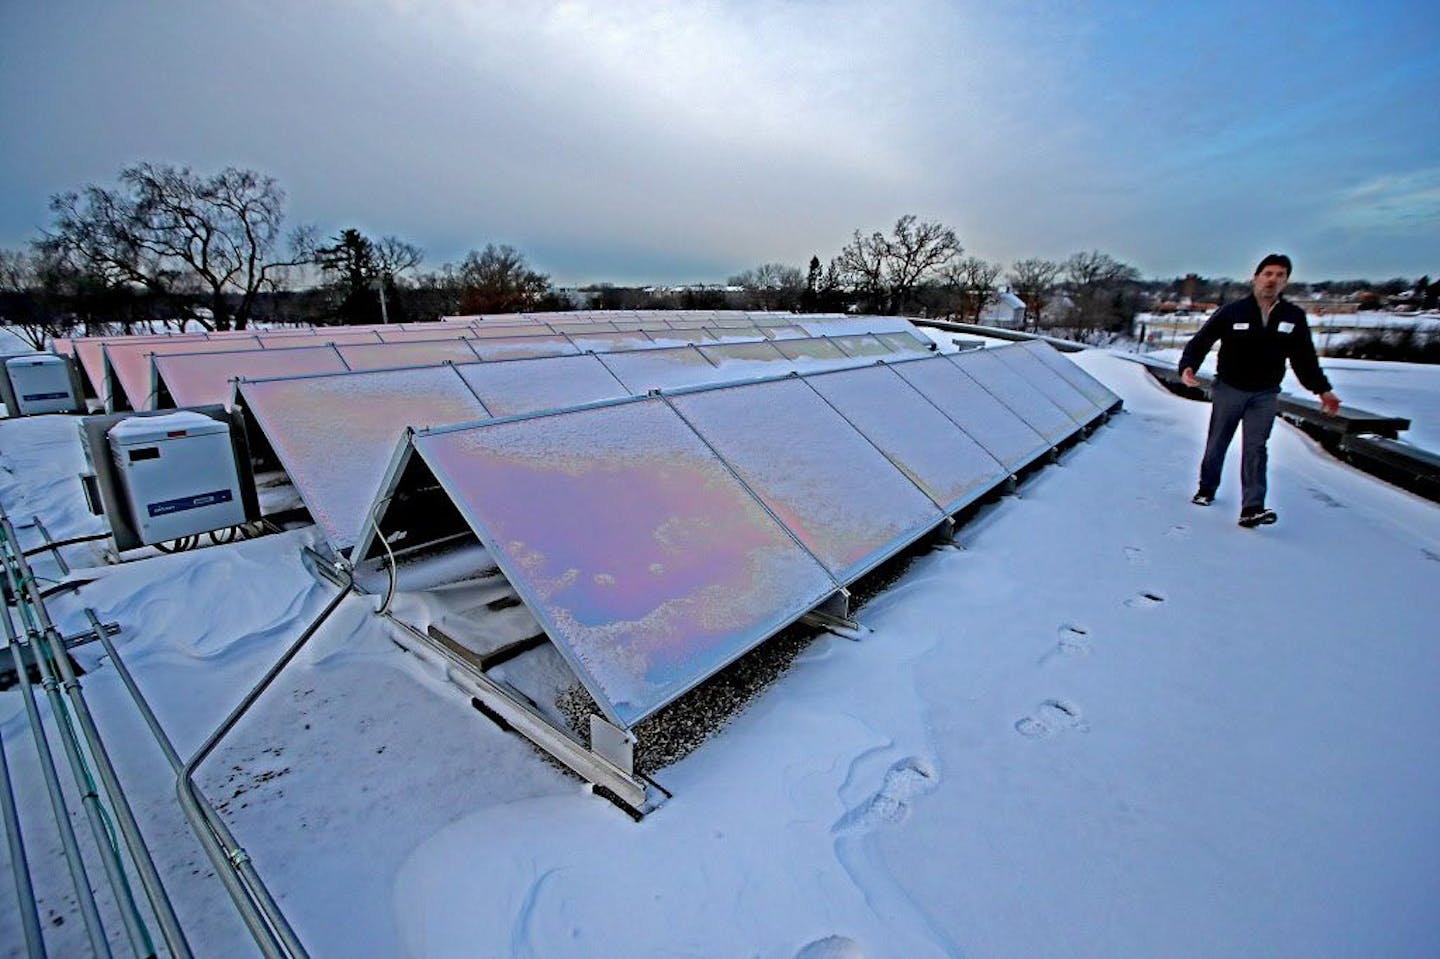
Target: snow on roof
[[1113, 724]]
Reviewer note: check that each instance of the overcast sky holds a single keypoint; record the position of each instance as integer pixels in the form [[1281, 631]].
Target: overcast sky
[[684, 142]]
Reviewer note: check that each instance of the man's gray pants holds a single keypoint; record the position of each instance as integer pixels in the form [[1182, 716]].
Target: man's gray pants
[[1229, 408]]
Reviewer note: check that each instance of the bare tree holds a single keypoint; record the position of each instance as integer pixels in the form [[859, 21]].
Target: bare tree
[[498, 280], [177, 233], [1097, 284], [972, 285], [1033, 280], [20, 307], [888, 270], [393, 256], [771, 286]]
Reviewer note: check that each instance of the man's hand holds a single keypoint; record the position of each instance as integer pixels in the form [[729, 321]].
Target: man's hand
[[1187, 376], [1330, 403]]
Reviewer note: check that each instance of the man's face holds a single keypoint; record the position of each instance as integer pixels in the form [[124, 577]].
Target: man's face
[[1270, 281]]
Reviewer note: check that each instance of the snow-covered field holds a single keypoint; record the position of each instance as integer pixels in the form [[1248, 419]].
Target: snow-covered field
[[1114, 724]]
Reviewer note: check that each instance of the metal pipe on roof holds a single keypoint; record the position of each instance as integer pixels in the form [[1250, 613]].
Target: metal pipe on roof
[[267, 923], [84, 895], [19, 864]]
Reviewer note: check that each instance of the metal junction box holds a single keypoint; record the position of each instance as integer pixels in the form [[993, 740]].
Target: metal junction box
[[40, 383], [176, 474]]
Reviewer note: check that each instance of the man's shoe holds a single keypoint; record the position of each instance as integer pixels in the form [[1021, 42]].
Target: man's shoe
[[1203, 498], [1257, 516]]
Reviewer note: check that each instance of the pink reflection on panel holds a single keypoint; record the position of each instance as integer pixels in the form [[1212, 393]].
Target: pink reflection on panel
[[547, 383], [378, 356], [644, 558], [516, 347], [130, 360], [196, 379], [335, 435], [836, 491]]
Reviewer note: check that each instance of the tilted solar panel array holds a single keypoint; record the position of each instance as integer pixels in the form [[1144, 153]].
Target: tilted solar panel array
[[657, 539], [334, 433]]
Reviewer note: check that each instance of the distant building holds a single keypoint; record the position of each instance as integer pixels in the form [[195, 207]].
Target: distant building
[[1006, 310]]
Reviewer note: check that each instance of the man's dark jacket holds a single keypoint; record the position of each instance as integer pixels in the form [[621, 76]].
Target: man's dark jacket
[[1253, 352]]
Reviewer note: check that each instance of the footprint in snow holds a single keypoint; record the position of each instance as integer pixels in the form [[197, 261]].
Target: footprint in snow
[[904, 781], [1325, 498], [1052, 716], [832, 947], [1073, 639], [1135, 556], [1146, 600], [1178, 531]]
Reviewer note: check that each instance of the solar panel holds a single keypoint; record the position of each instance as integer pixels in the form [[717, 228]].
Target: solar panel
[[425, 331], [921, 441], [862, 344], [811, 348], [989, 422], [604, 342], [1097, 392], [376, 356], [130, 361], [514, 347], [836, 492], [1046, 381], [836, 325], [198, 379], [906, 342], [761, 349], [336, 335], [547, 383], [1032, 406], [662, 369], [647, 563], [784, 331], [333, 434]]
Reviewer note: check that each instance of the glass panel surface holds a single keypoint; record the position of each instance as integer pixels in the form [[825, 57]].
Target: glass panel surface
[[1075, 404], [512, 387], [130, 359], [838, 325], [921, 441], [838, 494], [760, 349], [988, 421], [786, 331], [859, 344], [1032, 406], [514, 347], [433, 331], [906, 342], [812, 348], [335, 434], [196, 379], [378, 356], [1097, 392], [662, 369], [601, 342], [645, 560], [321, 337]]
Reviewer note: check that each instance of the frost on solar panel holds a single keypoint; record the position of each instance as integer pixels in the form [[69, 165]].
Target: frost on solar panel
[[335, 434], [761, 349], [647, 563], [131, 361], [1098, 392], [664, 369], [839, 495], [545, 383], [601, 342], [813, 348], [197, 379], [514, 347], [860, 344], [1032, 406], [378, 356], [921, 441], [1075, 404], [905, 342], [988, 421], [785, 331], [428, 331]]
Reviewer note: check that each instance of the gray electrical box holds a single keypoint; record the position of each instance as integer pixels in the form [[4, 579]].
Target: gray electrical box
[[177, 474], [36, 383]]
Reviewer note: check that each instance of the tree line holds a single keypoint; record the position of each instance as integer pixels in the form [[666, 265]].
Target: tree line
[[169, 245]]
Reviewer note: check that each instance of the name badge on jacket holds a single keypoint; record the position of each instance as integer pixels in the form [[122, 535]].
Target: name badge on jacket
[[1240, 326], [1286, 327]]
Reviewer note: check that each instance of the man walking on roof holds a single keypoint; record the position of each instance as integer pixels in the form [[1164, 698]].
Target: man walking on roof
[[1257, 335]]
